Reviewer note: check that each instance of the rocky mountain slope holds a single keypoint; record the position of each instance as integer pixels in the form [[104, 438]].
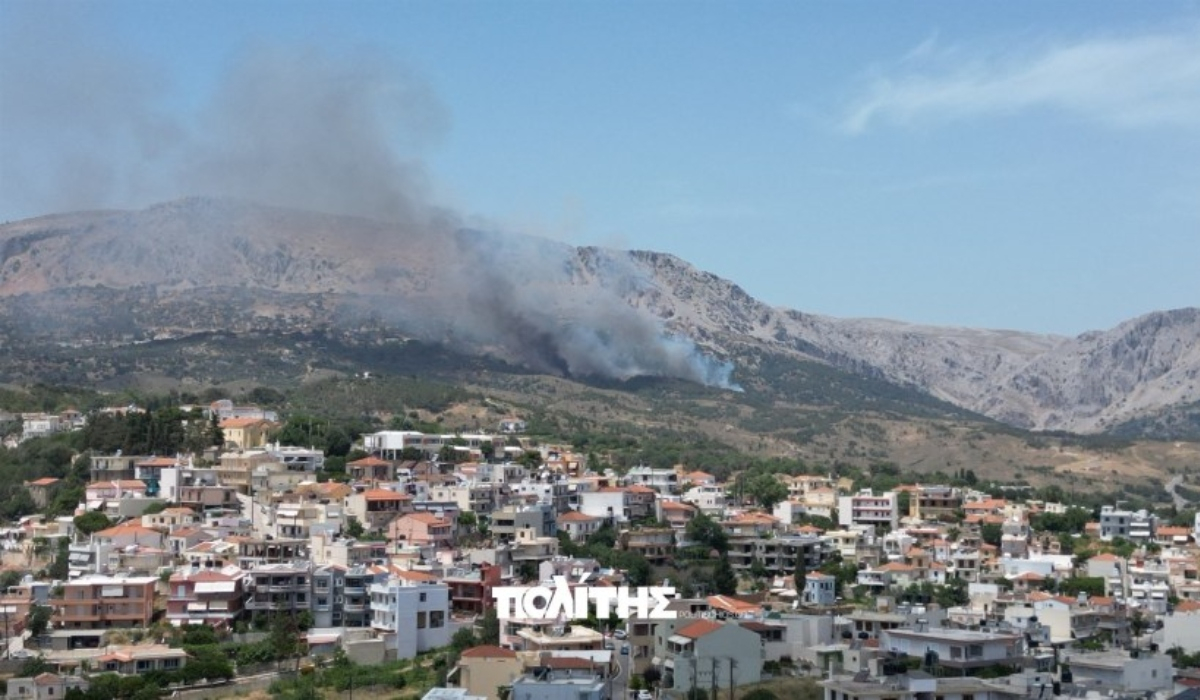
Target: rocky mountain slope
[[196, 265]]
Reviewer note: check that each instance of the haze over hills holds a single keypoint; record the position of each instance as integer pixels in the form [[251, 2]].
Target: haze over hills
[[197, 265]]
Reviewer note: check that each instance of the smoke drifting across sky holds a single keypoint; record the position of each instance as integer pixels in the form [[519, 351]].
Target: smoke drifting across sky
[[86, 125]]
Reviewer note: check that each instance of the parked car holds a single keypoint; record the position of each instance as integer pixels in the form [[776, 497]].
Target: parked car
[[645, 695], [620, 634], [624, 650], [608, 644]]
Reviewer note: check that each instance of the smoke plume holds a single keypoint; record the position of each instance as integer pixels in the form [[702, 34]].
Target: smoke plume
[[86, 126]]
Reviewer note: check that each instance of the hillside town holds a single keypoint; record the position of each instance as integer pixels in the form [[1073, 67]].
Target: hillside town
[[917, 592]]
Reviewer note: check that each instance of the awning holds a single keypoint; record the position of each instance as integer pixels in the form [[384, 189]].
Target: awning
[[216, 586], [197, 607], [112, 592], [679, 639]]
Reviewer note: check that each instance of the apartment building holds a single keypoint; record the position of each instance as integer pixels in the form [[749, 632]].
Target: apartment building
[[1137, 526], [341, 596], [205, 597], [664, 481], [280, 588], [935, 503], [869, 508], [471, 591], [100, 602], [411, 611]]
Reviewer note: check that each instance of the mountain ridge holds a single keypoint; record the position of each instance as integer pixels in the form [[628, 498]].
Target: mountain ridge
[[553, 307]]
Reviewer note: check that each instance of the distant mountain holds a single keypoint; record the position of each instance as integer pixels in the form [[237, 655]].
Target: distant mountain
[[200, 265]]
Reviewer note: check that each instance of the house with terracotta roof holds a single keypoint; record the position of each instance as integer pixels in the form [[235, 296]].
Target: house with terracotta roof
[[706, 654], [421, 530], [129, 535], [246, 433], [676, 514], [578, 526], [371, 469], [141, 658], [699, 478], [484, 669], [205, 597], [375, 508], [45, 686], [41, 490], [170, 518]]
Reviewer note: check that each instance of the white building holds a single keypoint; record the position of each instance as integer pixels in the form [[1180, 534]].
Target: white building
[[1138, 526], [413, 613], [710, 500], [869, 508], [661, 480]]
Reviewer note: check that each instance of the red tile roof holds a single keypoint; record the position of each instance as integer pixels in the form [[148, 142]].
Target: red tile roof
[[489, 651], [699, 628]]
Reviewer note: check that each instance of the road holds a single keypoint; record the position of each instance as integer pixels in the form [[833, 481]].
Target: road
[[620, 681], [1180, 502]]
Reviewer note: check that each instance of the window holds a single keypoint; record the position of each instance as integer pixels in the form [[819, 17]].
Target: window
[[437, 619], [422, 597]]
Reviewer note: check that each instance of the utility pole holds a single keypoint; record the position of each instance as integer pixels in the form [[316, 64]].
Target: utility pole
[[732, 665], [713, 679]]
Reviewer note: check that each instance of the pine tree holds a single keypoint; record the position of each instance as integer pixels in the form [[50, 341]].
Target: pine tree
[[724, 579]]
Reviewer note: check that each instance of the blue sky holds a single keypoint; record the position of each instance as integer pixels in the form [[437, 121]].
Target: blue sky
[[1026, 165]]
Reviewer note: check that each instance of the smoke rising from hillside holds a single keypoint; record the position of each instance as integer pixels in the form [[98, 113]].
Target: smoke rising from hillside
[[298, 126]]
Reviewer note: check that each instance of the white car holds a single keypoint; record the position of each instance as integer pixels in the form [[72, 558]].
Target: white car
[[645, 695], [620, 634]]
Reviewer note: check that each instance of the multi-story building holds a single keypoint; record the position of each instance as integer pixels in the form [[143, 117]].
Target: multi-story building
[[375, 508], [1137, 526], [664, 481], [608, 504], [710, 500], [778, 554], [868, 508], [246, 433], [280, 588], [99, 602], [935, 502], [471, 591], [578, 526], [116, 467], [411, 611], [341, 596], [205, 597], [421, 530], [657, 545], [676, 514], [708, 654], [254, 551], [510, 520], [236, 468], [820, 589]]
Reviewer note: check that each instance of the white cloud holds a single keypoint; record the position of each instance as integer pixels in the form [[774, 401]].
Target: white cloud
[[1135, 81]]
